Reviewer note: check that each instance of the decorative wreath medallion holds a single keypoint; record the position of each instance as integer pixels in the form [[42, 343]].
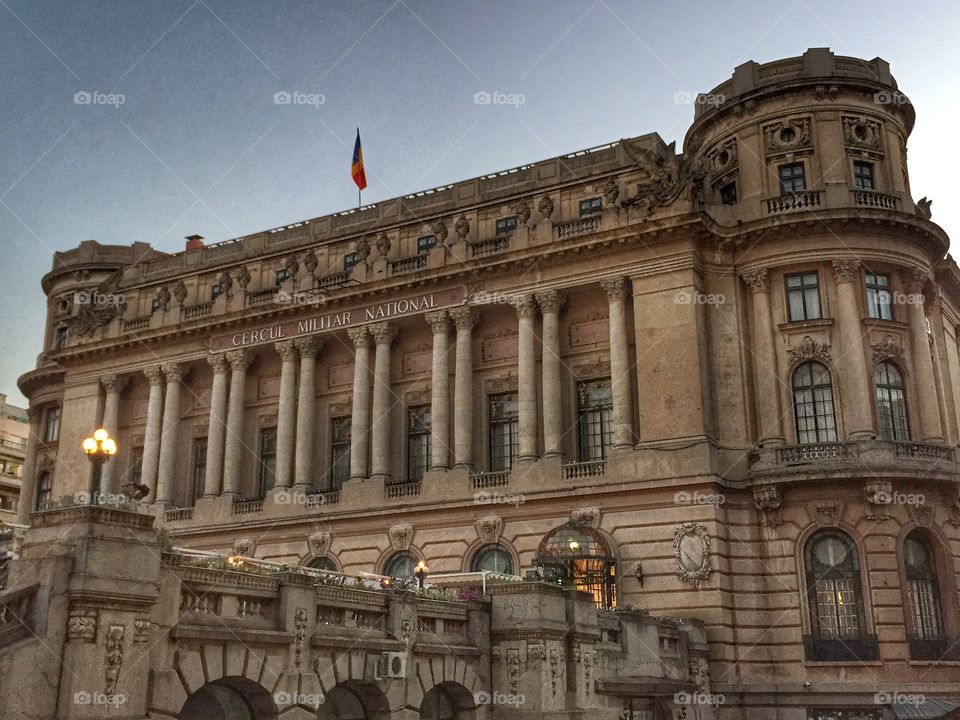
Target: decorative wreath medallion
[[691, 547]]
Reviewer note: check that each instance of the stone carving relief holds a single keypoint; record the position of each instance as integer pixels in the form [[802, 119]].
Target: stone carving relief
[[723, 157], [439, 231], [691, 546], [889, 349], [827, 513], [611, 193], [162, 298], [787, 135], [300, 635], [879, 497], [401, 536], [545, 207], [536, 651], [489, 529], [318, 543], [768, 501], [141, 630], [666, 176], [243, 277], [587, 516], [513, 669], [180, 291], [114, 658], [362, 248], [310, 261], [556, 669], [82, 625], [383, 244], [921, 514], [522, 211], [810, 349], [225, 282], [861, 132], [244, 546], [462, 227]]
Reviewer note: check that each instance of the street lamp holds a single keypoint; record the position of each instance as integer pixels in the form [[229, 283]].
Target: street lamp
[[421, 573], [99, 449]]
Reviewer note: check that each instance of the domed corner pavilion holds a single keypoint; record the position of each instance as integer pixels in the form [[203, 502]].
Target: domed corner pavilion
[[576, 555]]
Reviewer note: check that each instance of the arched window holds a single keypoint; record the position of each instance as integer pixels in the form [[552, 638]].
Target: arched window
[[493, 558], [44, 489], [400, 565], [891, 406], [577, 555], [835, 600], [813, 404], [323, 563], [923, 594]]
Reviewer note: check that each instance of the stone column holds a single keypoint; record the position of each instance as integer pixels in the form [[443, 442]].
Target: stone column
[[764, 361], [464, 318], [28, 476], [360, 419], [306, 410], [234, 449], [383, 335], [151, 436], [217, 429], [168, 437], [111, 409], [526, 379], [619, 363], [941, 369], [286, 412], [925, 388], [439, 323], [856, 385], [550, 304]]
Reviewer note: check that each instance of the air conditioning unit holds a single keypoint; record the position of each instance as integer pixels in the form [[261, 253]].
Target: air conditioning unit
[[392, 665]]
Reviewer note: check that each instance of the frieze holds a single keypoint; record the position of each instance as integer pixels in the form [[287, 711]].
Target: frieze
[[809, 349], [82, 625], [888, 349]]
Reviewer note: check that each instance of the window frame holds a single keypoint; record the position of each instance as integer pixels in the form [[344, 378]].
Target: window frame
[[512, 425], [421, 436], [916, 634], [803, 289], [44, 493], [266, 463], [871, 175], [505, 226], [724, 195], [340, 449], [61, 337], [488, 549], [198, 469], [604, 418], [895, 432], [815, 402], [281, 276], [396, 557], [350, 261], [874, 290], [425, 247], [590, 206], [51, 424], [792, 178]]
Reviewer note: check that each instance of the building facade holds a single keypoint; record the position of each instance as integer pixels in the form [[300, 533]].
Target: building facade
[[720, 386], [13, 445]]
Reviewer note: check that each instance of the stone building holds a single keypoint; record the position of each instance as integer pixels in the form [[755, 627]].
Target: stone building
[[13, 445], [704, 403]]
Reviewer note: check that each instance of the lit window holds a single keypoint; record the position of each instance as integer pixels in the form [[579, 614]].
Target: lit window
[[590, 206], [728, 193], [268, 459], [418, 442], [426, 243], [803, 297], [813, 404], [506, 225], [51, 429], [891, 406], [199, 468], [504, 431], [594, 419], [579, 556], [493, 558], [878, 296], [863, 175], [792, 178], [339, 451]]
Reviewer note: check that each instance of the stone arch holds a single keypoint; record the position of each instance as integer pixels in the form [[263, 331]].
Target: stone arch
[[354, 700], [230, 698], [448, 701]]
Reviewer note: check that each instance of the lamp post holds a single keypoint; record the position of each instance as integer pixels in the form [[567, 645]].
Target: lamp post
[[421, 573], [99, 449]]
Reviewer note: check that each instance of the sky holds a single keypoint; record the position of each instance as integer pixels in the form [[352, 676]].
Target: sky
[[141, 120]]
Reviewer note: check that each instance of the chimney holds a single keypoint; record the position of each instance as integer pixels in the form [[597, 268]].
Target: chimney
[[194, 242]]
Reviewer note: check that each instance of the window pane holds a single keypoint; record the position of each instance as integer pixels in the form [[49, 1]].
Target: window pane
[[813, 404], [268, 459], [493, 559], [339, 451], [199, 468], [594, 419], [418, 442], [504, 431]]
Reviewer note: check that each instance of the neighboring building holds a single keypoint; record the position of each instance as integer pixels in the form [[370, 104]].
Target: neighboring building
[[14, 427], [720, 386]]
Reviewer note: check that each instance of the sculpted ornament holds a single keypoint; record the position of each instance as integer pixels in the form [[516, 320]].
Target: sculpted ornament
[[827, 513], [362, 248], [810, 349], [879, 497], [243, 277], [310, 261], [245, 547], [513, 669], [666, 175], [114, 658], [489, 529], [846, 270], [383, 244], [756, 280], [225, 282], [787, 135], [462, 227], [401, 536], [439, 231], [692, 552], [611, 193], [318, 543], [888, 350], [141, 630], [82, 626], [588, 517], [861, 132], [522, 211], [180, 292], [768, 501], [300, 634], [545, 207]]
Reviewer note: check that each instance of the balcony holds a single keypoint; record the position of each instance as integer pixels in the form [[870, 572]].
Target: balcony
[[863, 649], [178, 514], [247, 506], [484, 480], [198, 311], [874, 199], [578, 227], [263, 297], [493, 246], [322, 499], [934, 649], [402, 490], [803, 454], [336, 280], [577, 470], [129, 326], [408, 265], [790, 202]]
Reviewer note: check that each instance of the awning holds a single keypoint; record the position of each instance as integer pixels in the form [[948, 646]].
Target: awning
[[924, 708]]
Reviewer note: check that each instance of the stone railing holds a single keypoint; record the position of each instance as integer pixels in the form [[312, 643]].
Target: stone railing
[[844, 457], [319, 499], [578, 227], [247, 507], [336, 280], [408, 265], [262, 297], [492, 246], [872, 198], [803, 200], [16, 614], [925, 451], [198, 311], [350, 609], [495, 478], [402, 490], [134, 325], [575, 470], [178, 514], [814, 452]]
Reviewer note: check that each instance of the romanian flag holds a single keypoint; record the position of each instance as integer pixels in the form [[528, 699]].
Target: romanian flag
[[359, 177]]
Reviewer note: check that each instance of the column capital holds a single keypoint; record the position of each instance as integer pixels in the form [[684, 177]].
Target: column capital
[[916, 280], [550, 301], [846, 269], [614, 287], [308, 346], [154, 375], [239, 359], [113, 383], [464, 317], [286, 350], [757, 280], [174, 372], [34, 415], [524, 305], [383, 333], [218, 362], [438, 321], [359, 335]]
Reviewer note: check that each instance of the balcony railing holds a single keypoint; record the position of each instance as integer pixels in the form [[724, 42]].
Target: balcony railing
[[803, 200], [335, 280], [198, 311], [177, 514], [576, 470], [320, 499], [489, 247], [247, 507], [402, 490], [408, 265], [483, 480], [863, 649], [16, 614], [578, 227], [941, 648], [134, 325], [801, 454], [263, 297], [924, 451], [872, 198]]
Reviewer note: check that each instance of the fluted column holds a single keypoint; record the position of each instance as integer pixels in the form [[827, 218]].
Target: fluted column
[[439, 323], [28, 477], [168, 438], [306, 410], [151, 435], [286, 412], [464, 318], [360, 420], [383, 335], [924, 381], [234, 450], [526, 379], [111, 410], [941, 368], [857, 390], [550, 304], [764, 361], [615, 289], [217, 428]]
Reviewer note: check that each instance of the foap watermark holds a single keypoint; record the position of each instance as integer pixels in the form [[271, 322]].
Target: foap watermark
[[708, 99], [289, 496], [309, 700], [895, 497], [92, 297], [486, 497], [496, 97], [698, 498], [890, 97], [900, 698], [498, 698], [900, 298], [99, 698], [699, 698], [299, 297], [95, 97], [285, 97], [495, 298], [685, 297]]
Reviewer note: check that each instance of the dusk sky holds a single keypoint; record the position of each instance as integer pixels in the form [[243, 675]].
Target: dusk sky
[[184, 136]]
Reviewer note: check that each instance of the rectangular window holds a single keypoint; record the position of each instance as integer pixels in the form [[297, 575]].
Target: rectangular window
[[199, 469], [282, 275], [878, 296], [426, 243], [63, 335], [339, 451], [51, 428], [803, 297], [155, 305], [268, 459], [590, 206], [135, 471], [863, 175], [791, 178], [728, 194], [506, 225], [216, 291], [594, 419], [349, 260], [418, 441], [504, 431]]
